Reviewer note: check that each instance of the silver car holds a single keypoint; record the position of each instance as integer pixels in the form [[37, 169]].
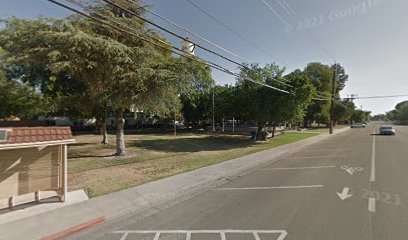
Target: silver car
[[358, 125], [387, 130]]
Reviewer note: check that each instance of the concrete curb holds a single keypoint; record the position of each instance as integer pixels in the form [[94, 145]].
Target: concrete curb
[[148, 198]]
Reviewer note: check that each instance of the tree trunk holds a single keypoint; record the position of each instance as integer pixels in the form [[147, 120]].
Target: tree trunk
[[261, 135], [305, 123], [103, 131], [120, 136], [273, 130]]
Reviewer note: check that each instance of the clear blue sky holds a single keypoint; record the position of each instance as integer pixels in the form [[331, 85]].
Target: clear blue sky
[[368, 37]]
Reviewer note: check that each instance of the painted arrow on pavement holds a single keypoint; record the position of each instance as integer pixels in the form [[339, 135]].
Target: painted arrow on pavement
[[344, 194]]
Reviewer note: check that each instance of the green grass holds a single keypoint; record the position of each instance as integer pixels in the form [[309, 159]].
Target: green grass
[[155, 156]]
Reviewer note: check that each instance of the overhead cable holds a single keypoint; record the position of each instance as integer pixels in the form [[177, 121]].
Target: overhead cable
[[206, 62]]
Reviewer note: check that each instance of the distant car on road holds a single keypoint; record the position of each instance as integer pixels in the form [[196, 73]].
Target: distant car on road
[[387, 130], [358, 125]]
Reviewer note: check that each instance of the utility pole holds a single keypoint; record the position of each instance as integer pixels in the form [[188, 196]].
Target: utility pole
[[213, 103], [332, 99], [175, 127]]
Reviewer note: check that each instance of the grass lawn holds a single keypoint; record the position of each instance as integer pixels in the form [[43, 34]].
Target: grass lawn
[[155, 155]]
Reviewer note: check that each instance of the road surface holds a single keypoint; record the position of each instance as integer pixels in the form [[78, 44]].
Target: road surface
[[352, 186]]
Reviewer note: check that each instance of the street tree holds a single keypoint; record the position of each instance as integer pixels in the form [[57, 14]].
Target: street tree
[[400, 113], [343, 111], [115, 70], [321, 77], [18, 99], [265, 105]]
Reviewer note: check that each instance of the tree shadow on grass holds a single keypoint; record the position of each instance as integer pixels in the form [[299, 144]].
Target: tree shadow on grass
[[211, 143], [81, 144], [91, 156]]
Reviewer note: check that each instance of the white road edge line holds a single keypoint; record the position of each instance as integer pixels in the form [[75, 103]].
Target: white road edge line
[[372, 173], [268, 188], [317, 157], [371, 204], [295, 168]]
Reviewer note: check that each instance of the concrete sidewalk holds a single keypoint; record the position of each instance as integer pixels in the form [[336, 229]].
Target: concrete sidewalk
[[144, 199]]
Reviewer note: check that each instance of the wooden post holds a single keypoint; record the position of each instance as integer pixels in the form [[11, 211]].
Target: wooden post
[[12, 202], [64, 175], [38, 196]]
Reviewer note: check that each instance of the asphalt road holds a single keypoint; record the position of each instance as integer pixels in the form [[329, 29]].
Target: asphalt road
[[352, 186]]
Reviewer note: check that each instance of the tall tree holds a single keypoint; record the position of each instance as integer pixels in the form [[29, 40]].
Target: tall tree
[[18, 99], [196, 103], [321, 77], [113, 70], [265, 105], [400, 113], [343, 111]]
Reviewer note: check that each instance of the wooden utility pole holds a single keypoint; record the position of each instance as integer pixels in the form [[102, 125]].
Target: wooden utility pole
[[175, 126], [332, 99], [213, 112]]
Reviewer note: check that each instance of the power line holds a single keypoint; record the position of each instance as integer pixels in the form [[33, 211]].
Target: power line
[[283, 5], [288, 6], [320, 99], [235, 32], [274, 12], [324, 93], [289, 9], [168, 31], [206, 62], [190, 32], [202, 38], [176, 35], [339, 103], [389, 96]]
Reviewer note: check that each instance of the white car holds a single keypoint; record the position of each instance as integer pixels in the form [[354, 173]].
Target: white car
[[387, 130], [358, 125]]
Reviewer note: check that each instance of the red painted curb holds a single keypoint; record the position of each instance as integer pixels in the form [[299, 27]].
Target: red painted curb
[[78, 228]]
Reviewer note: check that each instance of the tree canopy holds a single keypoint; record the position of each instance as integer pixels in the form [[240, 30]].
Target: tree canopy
[[89, 69]]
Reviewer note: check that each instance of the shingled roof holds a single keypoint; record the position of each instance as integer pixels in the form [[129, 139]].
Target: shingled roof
[[17, 135]]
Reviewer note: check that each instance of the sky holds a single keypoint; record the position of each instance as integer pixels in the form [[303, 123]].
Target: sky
[[368, 37]]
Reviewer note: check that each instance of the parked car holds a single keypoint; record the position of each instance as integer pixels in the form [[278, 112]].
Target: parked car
[[358, 125], [387, 130]]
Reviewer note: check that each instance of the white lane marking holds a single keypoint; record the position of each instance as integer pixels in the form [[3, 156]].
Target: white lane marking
[[324, 149], [351, 170], [317, 157], [344, 194], [256, 236], [268, 188], [295, 168], [124, 236], [188, 236], [282, 233], [371, 204], [372, 173]]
